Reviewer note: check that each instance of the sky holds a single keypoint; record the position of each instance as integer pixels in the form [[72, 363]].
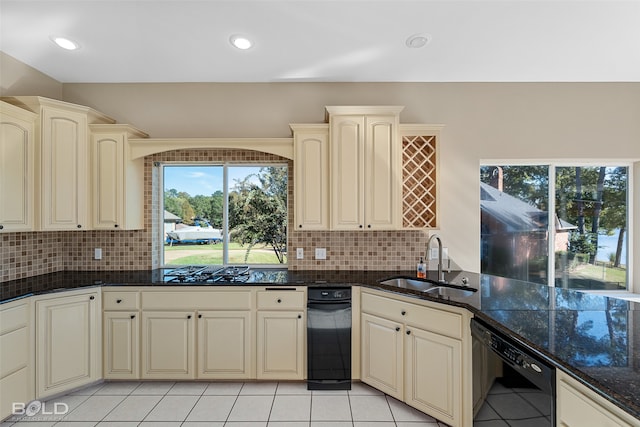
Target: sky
[[202, 180]]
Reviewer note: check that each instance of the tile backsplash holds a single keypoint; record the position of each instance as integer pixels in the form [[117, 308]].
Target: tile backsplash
[[33, 253]]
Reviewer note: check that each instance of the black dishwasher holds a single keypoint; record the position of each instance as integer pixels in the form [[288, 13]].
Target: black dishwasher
[[329, 338]]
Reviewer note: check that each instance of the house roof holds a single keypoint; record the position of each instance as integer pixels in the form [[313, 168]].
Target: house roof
[[169, 217], [516, 215]]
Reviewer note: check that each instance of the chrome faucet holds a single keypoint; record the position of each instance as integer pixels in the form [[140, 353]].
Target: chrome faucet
[[440, 272]]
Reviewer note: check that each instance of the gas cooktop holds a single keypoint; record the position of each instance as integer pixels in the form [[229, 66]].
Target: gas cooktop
[[196, 274]]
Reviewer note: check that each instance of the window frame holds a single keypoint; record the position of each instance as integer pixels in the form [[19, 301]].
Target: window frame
[[552, 165], [225, 212]]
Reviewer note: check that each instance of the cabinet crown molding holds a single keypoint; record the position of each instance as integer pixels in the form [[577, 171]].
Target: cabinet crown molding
[[362, 110], [35, 103]]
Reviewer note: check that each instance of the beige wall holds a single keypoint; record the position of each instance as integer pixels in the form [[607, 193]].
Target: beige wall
[[586, 121], [17, 78]]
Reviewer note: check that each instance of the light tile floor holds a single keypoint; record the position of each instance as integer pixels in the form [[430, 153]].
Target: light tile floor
[[228, 404]]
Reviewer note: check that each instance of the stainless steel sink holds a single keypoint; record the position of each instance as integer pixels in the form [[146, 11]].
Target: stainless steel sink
[[408, 283], [433, 287], [450, 292]]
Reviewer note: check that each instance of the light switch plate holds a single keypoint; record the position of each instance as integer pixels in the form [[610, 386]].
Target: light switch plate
[[321, 253], [299, 253]]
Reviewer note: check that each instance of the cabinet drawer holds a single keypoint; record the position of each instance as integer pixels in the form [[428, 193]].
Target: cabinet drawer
[[197, 300], [431, 319], [13, 317], [14, 351], [281, 299], [121, 300]]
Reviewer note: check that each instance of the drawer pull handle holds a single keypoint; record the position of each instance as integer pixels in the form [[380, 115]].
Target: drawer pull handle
[[403, 312], [133, 316], [118, 301], [397, 328], [92, 297]]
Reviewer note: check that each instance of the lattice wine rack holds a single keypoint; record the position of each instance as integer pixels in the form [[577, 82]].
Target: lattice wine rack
[[419, 181]]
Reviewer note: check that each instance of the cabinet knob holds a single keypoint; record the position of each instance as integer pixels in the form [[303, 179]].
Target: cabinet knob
[[403, 312], [92, 297], [79, 226], [118, 301], [279, 301], [299, 316], [369, 226], [397, 328], [408, 332], [133, 316], [199, 316], [115, 226], [300, 226], [360, 226], [1, 227], [189, 317]]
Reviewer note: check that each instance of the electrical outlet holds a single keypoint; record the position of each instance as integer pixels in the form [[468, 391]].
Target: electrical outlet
[[445, 253], [433, 254], [321, 253], [299, 253], [97, 253]]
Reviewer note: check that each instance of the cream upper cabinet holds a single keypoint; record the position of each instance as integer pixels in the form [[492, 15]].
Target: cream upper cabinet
[[61, 161], [579, 406], [17, 139], [311, 176], [117, 181], [365, 166], [68, 331], [16, 355]]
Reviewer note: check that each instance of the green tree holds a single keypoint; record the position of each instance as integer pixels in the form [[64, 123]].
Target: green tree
[[258, 211]]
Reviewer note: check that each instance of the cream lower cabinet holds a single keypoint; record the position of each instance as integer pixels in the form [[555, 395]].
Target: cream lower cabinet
[[68, 344], [415, 353], [16, 356], [168, 350], [121, 334], [224, 344], [382, 354], [578, 406], [281, 338], [191, 334]]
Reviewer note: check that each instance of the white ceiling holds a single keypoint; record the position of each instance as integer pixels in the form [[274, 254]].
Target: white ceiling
[[327, 40]]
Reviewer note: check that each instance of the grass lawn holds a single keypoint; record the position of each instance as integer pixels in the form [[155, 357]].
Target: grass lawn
[[212, 254]]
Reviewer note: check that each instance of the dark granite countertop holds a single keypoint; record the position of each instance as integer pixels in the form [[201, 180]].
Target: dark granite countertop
[[594, 338]]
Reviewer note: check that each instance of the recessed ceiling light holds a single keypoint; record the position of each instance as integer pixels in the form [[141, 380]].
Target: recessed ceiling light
[[418, 40], [240, 42], [65, 43]]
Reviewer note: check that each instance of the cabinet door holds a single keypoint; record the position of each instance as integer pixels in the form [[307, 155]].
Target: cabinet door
[[382, 362], [67, 339], [64, 169], [224, 344], [311, 180], [16, 168], [121, 345], [347, 172], [108, 189], [168, 344], [280, 345], [433, 364], [383, 180]]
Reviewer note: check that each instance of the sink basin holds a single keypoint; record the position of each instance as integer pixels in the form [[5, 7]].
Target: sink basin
[[433, 287], [408, 283], [449, 292]]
